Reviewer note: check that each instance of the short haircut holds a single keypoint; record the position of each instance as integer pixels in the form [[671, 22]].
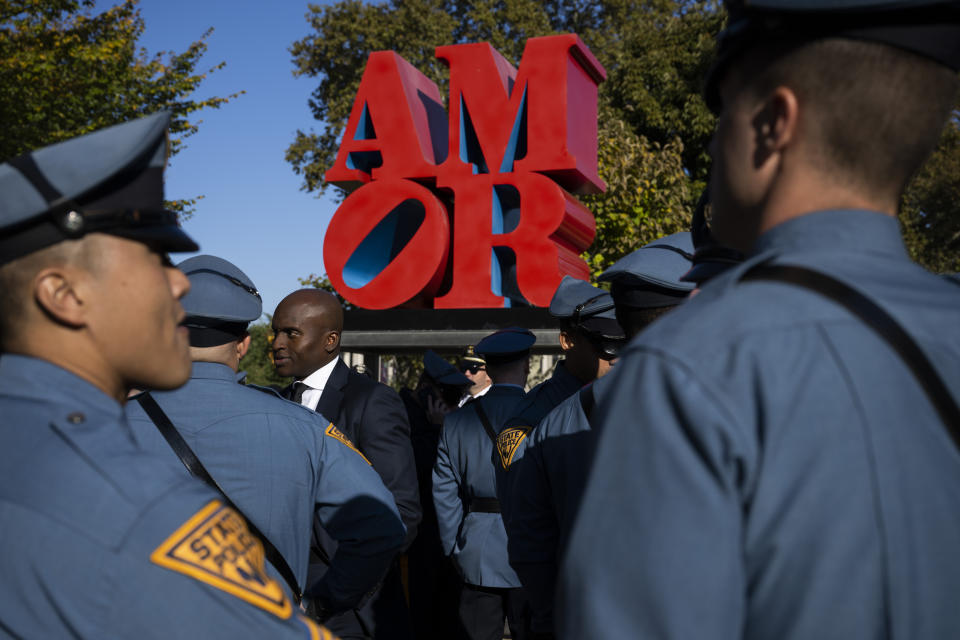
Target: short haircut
[[876, 112]]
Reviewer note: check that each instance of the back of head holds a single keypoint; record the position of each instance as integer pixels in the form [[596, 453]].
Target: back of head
[[647, 283], [507, 354], [221, 303], [875, 80]]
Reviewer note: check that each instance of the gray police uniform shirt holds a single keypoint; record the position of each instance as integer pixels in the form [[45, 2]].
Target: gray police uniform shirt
[[541, 399], [546, 479], [464, 470], [103, 540], [768, 468], [280, 463]]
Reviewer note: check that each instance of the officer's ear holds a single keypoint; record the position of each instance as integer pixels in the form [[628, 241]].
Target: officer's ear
[[776, 122], [567, 340], [243, 345], [57, 294]]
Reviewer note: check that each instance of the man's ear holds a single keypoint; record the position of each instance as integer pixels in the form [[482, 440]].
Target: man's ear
[[776, 122], [567, 341], [56, 292], [333, 341], [243, 346]]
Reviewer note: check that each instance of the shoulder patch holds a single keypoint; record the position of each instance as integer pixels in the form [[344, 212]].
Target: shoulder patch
[[215, 546], [508, 441], [336, 434]]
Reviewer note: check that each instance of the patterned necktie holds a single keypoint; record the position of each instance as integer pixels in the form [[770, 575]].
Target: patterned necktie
[[298, 389]]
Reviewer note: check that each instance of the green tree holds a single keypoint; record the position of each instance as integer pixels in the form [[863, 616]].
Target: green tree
[[930, 214], [66, 71]]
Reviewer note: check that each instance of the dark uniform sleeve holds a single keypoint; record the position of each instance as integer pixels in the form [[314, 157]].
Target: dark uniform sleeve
[[385, 441], [656, 550], [532, 531]]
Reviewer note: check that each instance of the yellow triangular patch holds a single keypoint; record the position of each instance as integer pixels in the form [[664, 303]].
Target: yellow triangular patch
[[508, 441], [215, 546], [336, 434]]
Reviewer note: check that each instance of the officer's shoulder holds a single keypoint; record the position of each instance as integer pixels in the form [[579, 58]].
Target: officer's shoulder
[[125, 480], [269, 398], [270, 391], [248, 404], [722, 314], [566, 417]]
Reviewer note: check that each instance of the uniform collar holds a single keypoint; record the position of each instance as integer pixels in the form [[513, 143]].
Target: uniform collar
[[38, 379], [849, 231], [212, 371]]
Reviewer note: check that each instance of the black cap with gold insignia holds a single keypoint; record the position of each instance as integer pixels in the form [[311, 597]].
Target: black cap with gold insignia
[[470, 355], [108, 181], [930, 28]]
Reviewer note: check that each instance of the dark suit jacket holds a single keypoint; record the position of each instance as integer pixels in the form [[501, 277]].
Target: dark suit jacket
[[372, 415]]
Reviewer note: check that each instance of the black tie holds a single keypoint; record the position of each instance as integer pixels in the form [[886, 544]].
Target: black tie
[[298, 389]]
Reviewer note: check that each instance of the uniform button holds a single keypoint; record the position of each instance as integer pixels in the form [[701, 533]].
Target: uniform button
[[76, 418]]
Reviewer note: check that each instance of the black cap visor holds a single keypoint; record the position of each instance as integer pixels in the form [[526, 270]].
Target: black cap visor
[[169, 238]]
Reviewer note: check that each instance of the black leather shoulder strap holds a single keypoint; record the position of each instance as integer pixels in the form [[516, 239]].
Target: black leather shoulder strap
[[486, 422], [882, 323], [196, 469]]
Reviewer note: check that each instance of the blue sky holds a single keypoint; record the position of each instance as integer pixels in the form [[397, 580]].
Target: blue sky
[[253, 212]]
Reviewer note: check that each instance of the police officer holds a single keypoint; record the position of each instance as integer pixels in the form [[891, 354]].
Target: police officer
[[779, 459], [590, 340], [279, 463], [474, 367], [433, 583], [101, 539], [544, 482], [464, 493]]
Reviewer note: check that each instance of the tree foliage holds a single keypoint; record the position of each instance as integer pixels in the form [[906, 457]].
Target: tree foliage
[[930, 212], [66, 71], [655, 127]]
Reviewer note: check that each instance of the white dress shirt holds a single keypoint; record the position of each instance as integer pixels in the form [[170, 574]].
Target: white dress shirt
[[317, 381]]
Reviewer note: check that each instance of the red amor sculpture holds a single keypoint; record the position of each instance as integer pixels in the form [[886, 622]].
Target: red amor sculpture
[[473, 209]]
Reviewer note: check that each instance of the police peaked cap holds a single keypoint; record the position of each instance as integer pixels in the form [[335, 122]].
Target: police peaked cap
[[651, 276], [470, 355], [108, 181], [930, 28], [506, 345], [585, 306], [442, 372], [221, 302]]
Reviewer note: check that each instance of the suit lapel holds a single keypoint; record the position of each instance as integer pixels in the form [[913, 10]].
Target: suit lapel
[[332, 397]]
